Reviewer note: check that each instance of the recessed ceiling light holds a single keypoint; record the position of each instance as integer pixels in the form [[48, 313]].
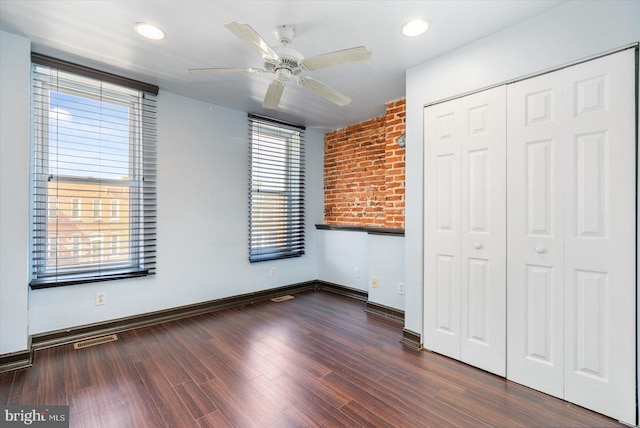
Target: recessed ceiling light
[[149, 31], [415, 27]]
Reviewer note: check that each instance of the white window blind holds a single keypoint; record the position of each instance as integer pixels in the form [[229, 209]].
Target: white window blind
[[93, 175], [276, 201]]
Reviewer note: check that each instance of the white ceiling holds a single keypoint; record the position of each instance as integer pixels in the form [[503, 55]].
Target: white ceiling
[[100, 34]]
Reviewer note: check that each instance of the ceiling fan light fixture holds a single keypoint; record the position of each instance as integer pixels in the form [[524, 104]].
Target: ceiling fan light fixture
[[283, 74], [414, 28], [149, 31]]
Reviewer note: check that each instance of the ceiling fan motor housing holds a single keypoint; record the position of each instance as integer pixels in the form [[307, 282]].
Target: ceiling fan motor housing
[[285, 33], [290, 60]]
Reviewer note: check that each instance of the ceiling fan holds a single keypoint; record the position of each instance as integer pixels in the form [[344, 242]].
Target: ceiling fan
[[287, 64]]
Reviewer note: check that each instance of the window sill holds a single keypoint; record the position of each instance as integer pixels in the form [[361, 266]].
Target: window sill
[[366, 229], [64, 280]]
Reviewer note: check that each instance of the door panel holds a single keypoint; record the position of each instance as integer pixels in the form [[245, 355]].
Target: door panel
[[446, 312], [599, 236], [534, 234], [538, 318], [446, 199], [442, 229], [591, 328], [478, 191], [465, 300], [483, 234], [539, 177], [591, 178], [478, 294], [571, 228]]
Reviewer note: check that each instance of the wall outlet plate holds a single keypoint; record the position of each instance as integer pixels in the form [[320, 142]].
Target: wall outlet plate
[[101, 298], [374, 282]]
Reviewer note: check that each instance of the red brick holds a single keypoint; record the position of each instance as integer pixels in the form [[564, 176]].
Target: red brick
[[364, 171]]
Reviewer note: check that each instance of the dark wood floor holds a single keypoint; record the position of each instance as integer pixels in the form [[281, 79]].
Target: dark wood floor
[[316, 360]]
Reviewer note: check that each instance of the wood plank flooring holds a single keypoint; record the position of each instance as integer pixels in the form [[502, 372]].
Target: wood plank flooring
[[318, 360]]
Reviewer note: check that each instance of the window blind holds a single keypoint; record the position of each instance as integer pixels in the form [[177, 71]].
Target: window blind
[[276, 189], [93, 175]]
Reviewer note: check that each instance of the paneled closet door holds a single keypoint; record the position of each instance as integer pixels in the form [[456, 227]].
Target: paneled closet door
[[483, 231], [442, 228], [465, 207], [571, 234], [599, 236], [535, 233]]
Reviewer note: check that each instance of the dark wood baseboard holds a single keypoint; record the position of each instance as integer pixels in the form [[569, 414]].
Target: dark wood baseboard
[[411, 339], [65, 336], [342, 290], [385, 312], [16, 360]]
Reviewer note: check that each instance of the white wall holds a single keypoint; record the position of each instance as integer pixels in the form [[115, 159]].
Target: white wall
[[14, 188], [386, 263], [202, 216], [570, 32], [339, 254]]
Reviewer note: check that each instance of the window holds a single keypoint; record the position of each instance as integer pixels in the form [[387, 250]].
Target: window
[[93, 139], [276, 202], [76, 247], [96, 248], [52, 207], [115, 208], [51, 248], [115, 245], [96, 207], [76, 207]]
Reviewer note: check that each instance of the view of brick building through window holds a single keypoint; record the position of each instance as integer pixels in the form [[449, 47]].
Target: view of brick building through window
[[364, 172], [89, 222]]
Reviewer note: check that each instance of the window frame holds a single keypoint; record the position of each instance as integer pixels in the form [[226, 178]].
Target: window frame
[[76, 246], [140, 185], [76, 207], [276, 233], [96, 203], [114, 209]]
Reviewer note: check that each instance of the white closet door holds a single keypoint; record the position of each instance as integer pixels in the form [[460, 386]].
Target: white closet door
[[535, 234], [442, 228], [571, 234], [465, 303], [483, 232], [599, 236]]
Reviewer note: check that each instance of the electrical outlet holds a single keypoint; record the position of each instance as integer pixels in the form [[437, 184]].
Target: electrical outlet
[[356, 272], [101, 298], [273, 271], [374, 282], [401, 288]]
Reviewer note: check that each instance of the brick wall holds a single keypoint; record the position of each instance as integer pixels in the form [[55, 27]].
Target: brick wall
[[394, 161], [364, 172]]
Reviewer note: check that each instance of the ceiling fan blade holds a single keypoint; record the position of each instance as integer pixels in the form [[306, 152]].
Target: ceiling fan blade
[[331, 59], [223, 70], [253, 39], [274, 93], [325, 91]]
